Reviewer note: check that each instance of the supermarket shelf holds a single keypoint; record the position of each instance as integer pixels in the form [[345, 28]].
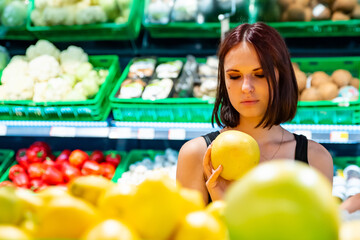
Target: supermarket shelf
[[345, 134]]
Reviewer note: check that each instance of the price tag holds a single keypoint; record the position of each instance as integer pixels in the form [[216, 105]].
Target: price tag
[[3, 130], [62, 132], [117, 132], [307, 134], [146, 133], [339, 136], [177, 134]]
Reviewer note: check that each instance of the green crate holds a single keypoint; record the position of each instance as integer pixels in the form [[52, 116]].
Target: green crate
[[5, 174], [6, 158], [343, 162], [101, 31], [162, 110], [132, 157], [95, 109], [328, 112]]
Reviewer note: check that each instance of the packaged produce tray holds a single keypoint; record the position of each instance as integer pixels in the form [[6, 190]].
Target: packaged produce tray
[[94, 109], [132, 157], [343, 162], [6, 159], [161, 110], [90, 32], [5, 174], [328, 112]]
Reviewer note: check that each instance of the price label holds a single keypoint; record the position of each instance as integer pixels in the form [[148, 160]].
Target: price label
[[3, 130], [116, 132], [62, 132], [176, 134], [339, 136], [307, 134], [146, 133]]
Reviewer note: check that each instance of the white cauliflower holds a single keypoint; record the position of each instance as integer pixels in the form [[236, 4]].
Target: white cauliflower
[[70, 19], [14, 70], [37, 17], [3, 92], [57, 89], [40, 92], [55, 3], [71, 58], [41, 4], [92, 14], [102, 73], [75, 95], [90, 87], [69, 79], [20, 88], [43, 68], [83, 70], [55, 15], [42, 47]]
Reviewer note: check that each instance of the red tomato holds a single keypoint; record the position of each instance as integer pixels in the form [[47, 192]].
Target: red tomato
[[21, 180], [113, 158], [52, 176], [43, 145], [78, 157], [47, 163], [91, 168], [35, 170], [70, 172], [97, 156], [22, 158], [107, 170], [37, 184], [36, 153], [16, 170], [64, 155]]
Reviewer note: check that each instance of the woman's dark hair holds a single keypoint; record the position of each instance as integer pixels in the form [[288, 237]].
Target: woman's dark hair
[[273, 54]]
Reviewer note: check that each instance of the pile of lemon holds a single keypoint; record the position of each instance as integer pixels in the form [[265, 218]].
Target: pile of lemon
[[95, 208]]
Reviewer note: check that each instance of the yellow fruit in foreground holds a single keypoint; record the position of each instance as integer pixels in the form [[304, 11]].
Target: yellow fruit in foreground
[[30, 199], [89, 187], [192, 200], [201, 225], [236, 151], [282, 200], [65, 217], [52, 192], [350, 230], [11, 207], [155, 209], [9, 232], [110, 229], [115, 201], [217, 209]]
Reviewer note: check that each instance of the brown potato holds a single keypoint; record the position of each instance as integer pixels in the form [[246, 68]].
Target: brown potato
[[345, 6], [339, 16], [341, 77], [310, 94], [355, 83], [295, 12], [300, 79], [284, 4], [328, 91], [355, 14], [318, 78]]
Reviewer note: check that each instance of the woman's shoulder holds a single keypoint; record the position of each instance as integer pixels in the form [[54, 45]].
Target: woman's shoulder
[[193, 148], [316, 150], [320, 158]]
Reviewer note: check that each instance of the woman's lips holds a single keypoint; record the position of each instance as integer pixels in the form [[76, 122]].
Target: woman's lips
[[249, 102]]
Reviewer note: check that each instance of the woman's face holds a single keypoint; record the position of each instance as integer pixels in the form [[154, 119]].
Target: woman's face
[[245, 82]]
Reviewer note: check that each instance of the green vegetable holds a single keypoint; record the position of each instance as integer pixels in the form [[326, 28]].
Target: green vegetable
[[14, 14]]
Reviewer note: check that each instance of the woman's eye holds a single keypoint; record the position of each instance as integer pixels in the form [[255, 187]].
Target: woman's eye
[[260, 75], [234, 77]]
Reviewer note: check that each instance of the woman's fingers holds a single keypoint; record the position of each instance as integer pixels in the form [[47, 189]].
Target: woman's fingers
[[207, 163], [214, 176]]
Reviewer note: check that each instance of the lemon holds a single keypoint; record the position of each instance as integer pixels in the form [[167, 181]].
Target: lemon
[[217, 209], [155, 209], [236, 151], [192, 200], [110, 229], [201, 225], [281, 200], [65, 217], [350, 230], [115, 201], [89, 187], [11, 207], [9, 232]]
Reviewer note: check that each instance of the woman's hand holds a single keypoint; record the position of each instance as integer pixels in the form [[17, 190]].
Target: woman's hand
[[215, 184]]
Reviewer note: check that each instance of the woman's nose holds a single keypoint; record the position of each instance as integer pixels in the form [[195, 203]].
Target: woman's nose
[[247, 86]]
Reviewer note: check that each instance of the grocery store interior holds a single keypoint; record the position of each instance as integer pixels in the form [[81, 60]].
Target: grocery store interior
[[107, 92]]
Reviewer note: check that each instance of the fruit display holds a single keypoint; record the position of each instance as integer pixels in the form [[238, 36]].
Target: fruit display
[[341, 85], [79, 12], [300, 10], [346, 183], [13, 13], [47, 74], [37, 167]]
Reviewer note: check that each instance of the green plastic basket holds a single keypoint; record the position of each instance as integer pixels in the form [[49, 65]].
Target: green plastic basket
[[328, 112], [162, 110], [132, 157], [5, 174], [93, 109], [343, 162], [6, 159], [101, 31]]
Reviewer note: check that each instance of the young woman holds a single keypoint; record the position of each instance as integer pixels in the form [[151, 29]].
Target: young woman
[[257, 91]]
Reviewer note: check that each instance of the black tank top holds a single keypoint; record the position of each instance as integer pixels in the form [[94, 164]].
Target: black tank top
[[300, 149]]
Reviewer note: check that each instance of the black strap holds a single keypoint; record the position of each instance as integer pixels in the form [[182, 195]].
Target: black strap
[[210, 137], [301, 150]]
